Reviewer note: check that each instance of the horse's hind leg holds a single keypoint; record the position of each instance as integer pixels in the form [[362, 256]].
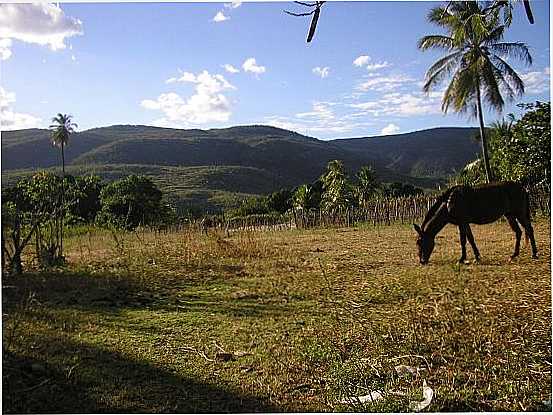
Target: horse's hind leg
[[529, 231], [470, 237], [463, 238], [518, 233]]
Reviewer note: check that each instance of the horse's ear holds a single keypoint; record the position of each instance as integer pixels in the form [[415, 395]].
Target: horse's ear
[[417, 228]]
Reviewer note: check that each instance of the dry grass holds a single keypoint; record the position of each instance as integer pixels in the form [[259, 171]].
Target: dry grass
[[149, 322]]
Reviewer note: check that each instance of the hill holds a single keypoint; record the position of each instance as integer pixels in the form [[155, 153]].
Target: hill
[[435, 152], [211, 168]]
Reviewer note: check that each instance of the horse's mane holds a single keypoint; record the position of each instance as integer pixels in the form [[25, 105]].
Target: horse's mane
[[432, 211]]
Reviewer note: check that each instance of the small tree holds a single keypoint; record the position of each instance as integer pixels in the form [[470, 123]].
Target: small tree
[[280, 201], [367, 185], [520, 149], [337, 190], [33, 207], [129, 202]]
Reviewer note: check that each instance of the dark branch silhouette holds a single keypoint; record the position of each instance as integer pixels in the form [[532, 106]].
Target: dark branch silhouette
[[316, 6]]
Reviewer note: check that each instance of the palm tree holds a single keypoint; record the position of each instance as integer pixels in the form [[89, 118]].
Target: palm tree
[[61, 129], [367, 185], [336, 187], [475, 61]]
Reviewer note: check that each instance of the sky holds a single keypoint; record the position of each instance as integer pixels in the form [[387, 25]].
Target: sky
[[215, 65]]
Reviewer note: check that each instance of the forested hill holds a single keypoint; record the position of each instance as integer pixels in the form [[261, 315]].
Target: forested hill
[[434, 152], [200, 164]]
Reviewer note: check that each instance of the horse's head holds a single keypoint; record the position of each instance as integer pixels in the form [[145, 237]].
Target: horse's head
[[425, 244]]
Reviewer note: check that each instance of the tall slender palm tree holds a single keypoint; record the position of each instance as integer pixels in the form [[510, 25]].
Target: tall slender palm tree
[[475, 61], [367, 185], [61, 130]]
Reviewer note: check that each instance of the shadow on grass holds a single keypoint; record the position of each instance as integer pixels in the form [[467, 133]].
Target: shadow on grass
[[76, 378], [108, 294]]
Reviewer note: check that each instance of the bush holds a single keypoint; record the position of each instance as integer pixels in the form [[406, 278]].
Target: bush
[[129, 202]]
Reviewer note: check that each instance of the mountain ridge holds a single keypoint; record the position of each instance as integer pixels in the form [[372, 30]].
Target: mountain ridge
[[281, 157]]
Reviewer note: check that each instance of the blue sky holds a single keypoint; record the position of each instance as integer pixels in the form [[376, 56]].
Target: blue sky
[[211, 65]]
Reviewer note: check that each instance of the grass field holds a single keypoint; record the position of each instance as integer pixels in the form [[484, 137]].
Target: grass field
[[280, 321]]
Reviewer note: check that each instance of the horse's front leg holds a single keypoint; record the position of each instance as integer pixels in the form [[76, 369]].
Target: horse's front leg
[[518, 233], [470, 237], [463, 238]]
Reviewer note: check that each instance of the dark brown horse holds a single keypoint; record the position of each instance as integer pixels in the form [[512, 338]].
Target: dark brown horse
[[463, 205]]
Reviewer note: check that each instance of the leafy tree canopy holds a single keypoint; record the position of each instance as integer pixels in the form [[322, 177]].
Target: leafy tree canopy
[[129, 202]]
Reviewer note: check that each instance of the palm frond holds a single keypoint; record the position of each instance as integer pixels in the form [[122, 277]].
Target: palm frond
[[491, 79], [514, 80], [518, 50], [440, 69], [436, 42]]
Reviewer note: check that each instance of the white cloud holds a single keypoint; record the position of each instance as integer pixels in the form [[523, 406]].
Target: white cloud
[[379, 65], [40, 23], [385, 83], [220, 17], [402, 105], [390, 129], [233, 5], [536, 82], [230, 69], [10, 120], [361, 60], [185, 77], [5, 49], [250, 65], [322, 119], [207, 104], [322, 72]]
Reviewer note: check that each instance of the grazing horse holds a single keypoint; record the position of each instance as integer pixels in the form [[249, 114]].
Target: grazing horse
[[462, 205]]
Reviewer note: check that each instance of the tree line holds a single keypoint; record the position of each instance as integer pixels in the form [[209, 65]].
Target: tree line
[[334, 190], [39, 208]]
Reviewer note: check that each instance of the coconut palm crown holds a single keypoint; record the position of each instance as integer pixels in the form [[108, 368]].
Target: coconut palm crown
[[475, 62], [61, 130]]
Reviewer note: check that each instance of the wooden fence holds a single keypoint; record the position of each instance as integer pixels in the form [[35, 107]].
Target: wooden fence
[[378, 212]]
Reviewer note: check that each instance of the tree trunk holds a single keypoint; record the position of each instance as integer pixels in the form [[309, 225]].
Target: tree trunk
[[483, 139], [62, 199]]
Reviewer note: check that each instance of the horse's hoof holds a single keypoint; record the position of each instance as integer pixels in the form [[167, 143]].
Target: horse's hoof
[[476, 260], [535, 256], [512, 258], [463, 261]]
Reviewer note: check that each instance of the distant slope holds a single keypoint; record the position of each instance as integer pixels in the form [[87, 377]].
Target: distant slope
[[220, 166], [435, 152], [282, 152]]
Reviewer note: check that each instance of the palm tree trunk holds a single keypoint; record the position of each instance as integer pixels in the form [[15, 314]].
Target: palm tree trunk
[[483, 139], [62, 198]]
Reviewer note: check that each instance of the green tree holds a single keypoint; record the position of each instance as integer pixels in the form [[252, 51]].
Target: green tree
[[520, 149], [398, 189], [304, 198], [337, 190], [280, 201], [129, 202], [367, 185], [33, 207], [475, 61]]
